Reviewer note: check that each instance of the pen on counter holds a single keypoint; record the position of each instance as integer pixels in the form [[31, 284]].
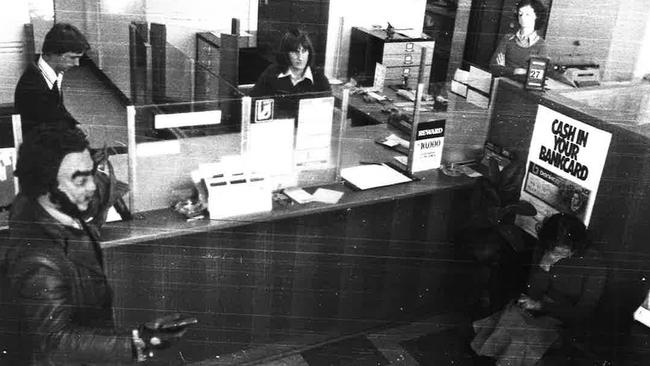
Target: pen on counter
[[370, 163]]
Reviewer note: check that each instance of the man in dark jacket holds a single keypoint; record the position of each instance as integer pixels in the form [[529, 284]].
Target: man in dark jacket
[[39, 97], [57, 304]]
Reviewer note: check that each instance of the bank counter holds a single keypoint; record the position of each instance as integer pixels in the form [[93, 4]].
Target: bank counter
[[300, 273]]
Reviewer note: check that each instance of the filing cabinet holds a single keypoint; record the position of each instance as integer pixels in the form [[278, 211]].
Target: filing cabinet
[[207, 66], [399, 53]]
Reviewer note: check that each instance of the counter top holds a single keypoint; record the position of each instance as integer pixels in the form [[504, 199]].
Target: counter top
[[622, 105], [358, 145]]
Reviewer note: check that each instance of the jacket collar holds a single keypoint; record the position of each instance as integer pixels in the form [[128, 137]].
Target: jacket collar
[[26, 213], [59, 216]]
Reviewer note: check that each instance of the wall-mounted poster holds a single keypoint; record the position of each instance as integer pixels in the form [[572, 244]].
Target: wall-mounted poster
[[564, 167]]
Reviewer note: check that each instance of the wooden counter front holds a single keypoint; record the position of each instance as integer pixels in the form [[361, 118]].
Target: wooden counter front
[[298, 274]]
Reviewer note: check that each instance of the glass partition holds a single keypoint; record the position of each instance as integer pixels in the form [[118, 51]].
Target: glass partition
[[296, 138], [173, 143]]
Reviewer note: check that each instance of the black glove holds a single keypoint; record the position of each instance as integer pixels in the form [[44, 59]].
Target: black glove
[[159, 334]]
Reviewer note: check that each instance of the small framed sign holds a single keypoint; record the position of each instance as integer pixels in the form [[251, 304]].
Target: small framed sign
[[536, 75], [264, 110]]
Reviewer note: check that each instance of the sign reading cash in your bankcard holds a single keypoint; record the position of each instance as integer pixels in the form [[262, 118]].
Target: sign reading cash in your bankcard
[[564, 167], [427, 147]]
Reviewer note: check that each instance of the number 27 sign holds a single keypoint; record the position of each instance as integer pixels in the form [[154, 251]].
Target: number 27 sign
[[536, 73]]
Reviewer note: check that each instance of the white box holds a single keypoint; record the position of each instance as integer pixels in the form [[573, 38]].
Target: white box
[[237, 194]]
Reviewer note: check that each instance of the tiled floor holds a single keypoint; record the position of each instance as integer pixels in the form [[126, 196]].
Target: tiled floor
[[438, 340]]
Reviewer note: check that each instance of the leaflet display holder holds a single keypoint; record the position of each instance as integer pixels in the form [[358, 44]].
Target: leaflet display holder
[[235, 192], [536, 74]]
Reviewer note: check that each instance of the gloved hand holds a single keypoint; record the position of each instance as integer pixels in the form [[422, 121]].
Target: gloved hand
[[159, 334]]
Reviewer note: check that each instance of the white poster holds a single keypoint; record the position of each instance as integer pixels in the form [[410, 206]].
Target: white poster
[[314, 134], [270, 150], [428, 144], [564, 167]]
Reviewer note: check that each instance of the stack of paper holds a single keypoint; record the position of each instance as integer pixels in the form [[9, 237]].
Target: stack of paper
[[372, 176], [321, 195]]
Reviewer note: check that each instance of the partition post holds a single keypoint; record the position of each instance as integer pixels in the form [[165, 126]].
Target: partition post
[[416, 108], [342, 127], [423, 64], [339, 44], [17, 130], [414, 125], [131, 154], [245, 125]]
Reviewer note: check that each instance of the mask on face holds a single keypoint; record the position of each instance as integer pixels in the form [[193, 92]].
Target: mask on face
[[64, 204]]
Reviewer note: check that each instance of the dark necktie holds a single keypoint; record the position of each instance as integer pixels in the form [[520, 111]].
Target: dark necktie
[[55, 89]]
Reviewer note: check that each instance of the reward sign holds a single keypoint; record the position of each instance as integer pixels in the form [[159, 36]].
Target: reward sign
[[427, 147], [263, 110]]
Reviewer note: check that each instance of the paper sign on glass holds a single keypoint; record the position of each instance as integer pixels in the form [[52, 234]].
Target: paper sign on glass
[[427, 147], [264, 110], [314, 134]]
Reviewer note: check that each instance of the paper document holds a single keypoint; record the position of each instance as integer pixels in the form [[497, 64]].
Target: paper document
[[477, 99], [411, 33], [480, 79], [458, 88], [373, 175], [470, 172], [394, 140], [461, 76], [327, 195], [376, 96], [299, 195], [401, 159]]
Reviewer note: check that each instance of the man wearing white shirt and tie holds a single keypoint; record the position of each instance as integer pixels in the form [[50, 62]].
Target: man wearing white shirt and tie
[[38, 97]]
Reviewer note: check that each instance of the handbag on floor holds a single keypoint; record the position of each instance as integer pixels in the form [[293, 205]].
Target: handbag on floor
[[514, 337]]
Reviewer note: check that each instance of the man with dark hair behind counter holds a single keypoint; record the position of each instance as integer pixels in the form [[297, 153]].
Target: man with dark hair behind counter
[[39, 96], [55, 298]]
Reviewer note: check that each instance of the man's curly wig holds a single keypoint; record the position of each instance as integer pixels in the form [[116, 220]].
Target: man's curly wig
[[40, 156]]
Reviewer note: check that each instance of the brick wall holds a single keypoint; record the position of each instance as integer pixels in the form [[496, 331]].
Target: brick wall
[[611, 32]]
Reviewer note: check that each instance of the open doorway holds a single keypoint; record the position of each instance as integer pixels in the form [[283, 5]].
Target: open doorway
[[439, 22]]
